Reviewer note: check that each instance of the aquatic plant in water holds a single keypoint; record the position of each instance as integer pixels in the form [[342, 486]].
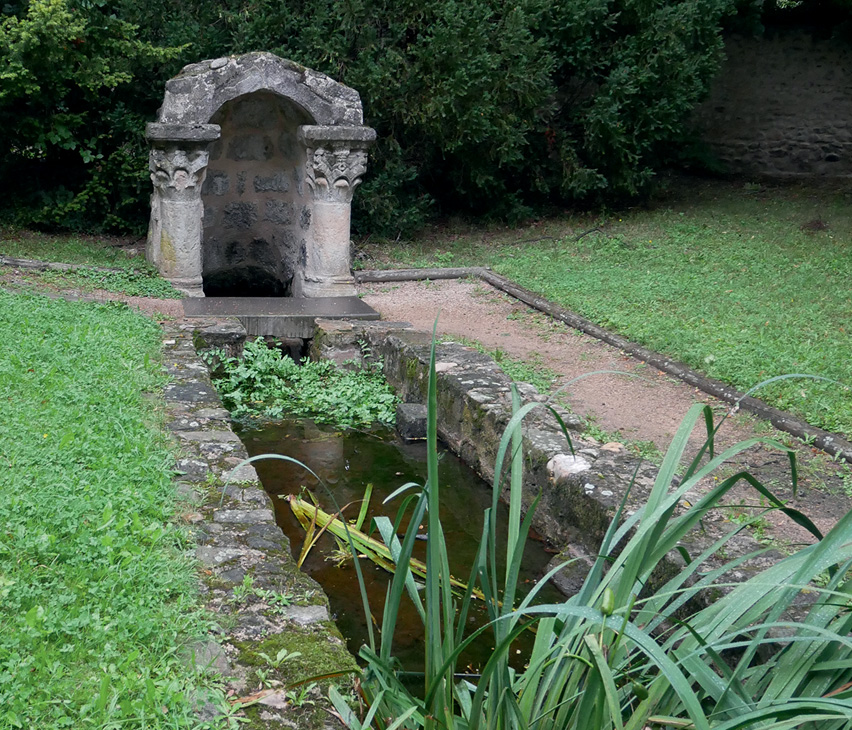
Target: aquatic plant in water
[[317, 522], [264, 382], [614, 656]]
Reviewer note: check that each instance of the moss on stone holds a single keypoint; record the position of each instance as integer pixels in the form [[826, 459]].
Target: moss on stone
[[305, 589], [321, 647], [214, 582], [411, 365], [321, 652]]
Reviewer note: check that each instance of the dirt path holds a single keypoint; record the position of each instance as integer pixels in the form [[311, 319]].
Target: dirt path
[[641, 405]]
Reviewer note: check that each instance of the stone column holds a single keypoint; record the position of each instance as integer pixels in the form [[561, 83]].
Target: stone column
[[336, 158], [178, 164]]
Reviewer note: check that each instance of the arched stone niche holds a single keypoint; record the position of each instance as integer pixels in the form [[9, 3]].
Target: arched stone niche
[[254, 160]]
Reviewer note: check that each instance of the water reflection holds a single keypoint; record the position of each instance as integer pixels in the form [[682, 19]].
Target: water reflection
[[346, 461]]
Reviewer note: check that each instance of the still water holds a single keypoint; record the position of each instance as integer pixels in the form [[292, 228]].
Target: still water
[[346, 461]]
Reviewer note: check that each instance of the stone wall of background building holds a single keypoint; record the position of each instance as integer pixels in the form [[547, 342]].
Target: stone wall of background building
[[781, 106]]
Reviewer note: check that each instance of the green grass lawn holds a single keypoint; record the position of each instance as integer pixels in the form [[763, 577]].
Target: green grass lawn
[[741, 282], [97, 594], [134, 275], [68, 249]]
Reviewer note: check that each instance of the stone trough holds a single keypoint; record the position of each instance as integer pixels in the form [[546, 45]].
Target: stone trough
[[578, 491], [579, 488]]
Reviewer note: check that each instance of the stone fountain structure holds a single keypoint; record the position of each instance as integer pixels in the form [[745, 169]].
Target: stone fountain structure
[[254, 160]]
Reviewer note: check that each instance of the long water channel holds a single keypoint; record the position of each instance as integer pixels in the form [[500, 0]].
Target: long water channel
[[346, 461]]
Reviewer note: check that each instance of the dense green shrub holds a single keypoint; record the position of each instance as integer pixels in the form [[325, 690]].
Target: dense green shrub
[[488, 107], [482, 107], [629, 75], [75, 94]]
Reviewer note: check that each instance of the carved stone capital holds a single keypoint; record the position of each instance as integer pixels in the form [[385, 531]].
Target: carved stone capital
[[336, 159], [178, 172]]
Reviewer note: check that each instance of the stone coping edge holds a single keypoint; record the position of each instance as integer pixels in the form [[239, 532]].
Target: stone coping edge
[[831, 443], [262, 603], [579, 486]]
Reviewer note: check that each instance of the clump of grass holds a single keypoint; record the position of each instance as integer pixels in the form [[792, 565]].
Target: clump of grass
[[266, 383], [630, 649], [96, 592], [643, 449], [101, 265], [531, 370]]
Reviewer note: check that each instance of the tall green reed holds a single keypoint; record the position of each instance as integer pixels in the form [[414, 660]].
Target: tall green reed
[[696, 651]]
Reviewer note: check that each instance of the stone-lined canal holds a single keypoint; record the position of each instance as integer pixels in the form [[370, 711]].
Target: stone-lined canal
[[347, 461]]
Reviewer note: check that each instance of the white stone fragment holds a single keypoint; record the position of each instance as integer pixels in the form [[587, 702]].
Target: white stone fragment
[[248, 516], [564, 465], [306, 615], [245, 473], [217, 556], [479, 397], [220, 436], [278, 700]]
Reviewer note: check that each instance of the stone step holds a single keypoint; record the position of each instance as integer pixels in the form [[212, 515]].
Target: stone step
[[283, 317]]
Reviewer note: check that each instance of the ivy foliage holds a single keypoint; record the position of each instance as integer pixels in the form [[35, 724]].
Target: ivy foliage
[[481, 106]]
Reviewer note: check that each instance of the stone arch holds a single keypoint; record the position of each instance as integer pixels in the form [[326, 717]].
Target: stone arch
[[201, 89], [286, 148]]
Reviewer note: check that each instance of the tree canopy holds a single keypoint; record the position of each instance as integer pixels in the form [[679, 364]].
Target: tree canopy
[[481, 106]]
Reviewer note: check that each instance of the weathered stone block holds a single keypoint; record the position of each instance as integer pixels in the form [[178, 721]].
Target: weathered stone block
[[209, 656], [251, 111], [279, 212], [217, 183], [213, 556], [252, 516], [245, 473], [306, 615], [277, 183], [227, 334], [240, 215], [192, 392], [411, 421], [250, 147]]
